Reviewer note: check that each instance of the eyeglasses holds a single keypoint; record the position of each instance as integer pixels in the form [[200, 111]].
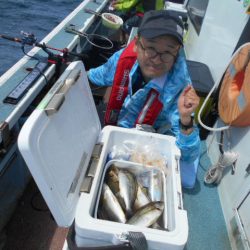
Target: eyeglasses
[[150, 52]]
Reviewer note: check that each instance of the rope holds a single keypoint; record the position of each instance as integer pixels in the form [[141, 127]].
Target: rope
[[228, 158], [214, 174]]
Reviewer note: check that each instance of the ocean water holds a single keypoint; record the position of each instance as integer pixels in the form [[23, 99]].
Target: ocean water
[[34, 16]]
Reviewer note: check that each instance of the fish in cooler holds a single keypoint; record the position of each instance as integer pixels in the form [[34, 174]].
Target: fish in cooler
[[125, 198], [111, 206], [141, 198], [124, 186], [147, 215], [112, 180], [155, 185], [128, 190]]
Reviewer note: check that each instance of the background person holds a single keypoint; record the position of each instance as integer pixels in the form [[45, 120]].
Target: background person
[[132, 11], [151, 85]]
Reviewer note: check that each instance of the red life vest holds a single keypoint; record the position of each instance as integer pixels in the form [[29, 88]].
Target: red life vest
[[152, 107]]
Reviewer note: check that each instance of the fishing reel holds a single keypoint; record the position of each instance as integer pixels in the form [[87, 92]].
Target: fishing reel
[[28, 38]]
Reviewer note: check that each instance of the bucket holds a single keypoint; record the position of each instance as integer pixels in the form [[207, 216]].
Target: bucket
[[111, 21]]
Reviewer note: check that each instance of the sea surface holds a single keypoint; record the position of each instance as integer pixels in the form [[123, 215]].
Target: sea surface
[[33, 16]]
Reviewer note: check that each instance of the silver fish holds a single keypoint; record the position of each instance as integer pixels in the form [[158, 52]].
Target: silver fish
[[141, 198], [101, 214], [155, 188], [147, 215], [123, 185], [128, 190], [112, 179], [111, 205]]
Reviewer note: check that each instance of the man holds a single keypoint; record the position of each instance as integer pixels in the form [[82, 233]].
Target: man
[[151, 85]]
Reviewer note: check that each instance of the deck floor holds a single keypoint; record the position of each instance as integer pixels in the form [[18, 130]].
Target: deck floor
[[32, 227], [207, 228]]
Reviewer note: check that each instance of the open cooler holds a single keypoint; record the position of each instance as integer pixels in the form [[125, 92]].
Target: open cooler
[[69, 154]]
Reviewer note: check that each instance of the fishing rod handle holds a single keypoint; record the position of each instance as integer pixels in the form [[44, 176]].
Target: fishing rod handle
[[14, 39]]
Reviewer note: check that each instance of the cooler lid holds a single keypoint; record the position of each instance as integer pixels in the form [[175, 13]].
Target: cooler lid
[[57, 141]]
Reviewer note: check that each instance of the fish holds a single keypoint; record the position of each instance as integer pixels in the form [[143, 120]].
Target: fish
[[128, 190], [155, 189], [123, 184], [111, 206], [141, 198], [147, 215], [101, 214], [112, 180]]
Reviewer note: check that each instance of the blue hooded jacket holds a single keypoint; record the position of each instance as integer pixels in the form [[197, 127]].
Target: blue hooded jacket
[[169, 86]]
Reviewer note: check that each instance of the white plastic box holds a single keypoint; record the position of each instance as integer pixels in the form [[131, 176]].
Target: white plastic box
[[66, 151]]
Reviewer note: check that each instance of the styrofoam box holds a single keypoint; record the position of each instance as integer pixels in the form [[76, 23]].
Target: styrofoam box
[[56, 143]]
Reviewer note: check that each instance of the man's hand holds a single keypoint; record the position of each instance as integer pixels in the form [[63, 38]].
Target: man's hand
[[187, 104]]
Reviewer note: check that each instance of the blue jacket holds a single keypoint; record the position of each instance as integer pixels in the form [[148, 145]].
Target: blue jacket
[[169, 86]]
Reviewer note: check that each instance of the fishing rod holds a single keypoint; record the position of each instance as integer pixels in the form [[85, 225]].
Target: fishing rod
[[57, 59], [30, 39]]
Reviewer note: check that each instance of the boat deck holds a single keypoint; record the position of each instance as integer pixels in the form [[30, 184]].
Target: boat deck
[[207, 228], [33, 227]]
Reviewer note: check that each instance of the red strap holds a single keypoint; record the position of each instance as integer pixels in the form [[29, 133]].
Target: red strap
[[151, 109], [120, 84]]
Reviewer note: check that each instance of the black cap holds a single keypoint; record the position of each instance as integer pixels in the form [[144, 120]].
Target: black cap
[[161, 22]]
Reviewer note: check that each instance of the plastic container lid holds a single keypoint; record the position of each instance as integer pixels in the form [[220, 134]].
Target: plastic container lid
[[57, 141]]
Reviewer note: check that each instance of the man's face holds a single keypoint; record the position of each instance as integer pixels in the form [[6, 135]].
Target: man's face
[[156, 56]]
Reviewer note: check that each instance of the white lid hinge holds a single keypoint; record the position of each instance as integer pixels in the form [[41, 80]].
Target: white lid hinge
[[90, 174]]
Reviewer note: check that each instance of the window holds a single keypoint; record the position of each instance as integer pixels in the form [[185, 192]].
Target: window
[[196, 12]]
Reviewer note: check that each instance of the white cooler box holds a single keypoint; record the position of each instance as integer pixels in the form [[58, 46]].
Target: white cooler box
[[66, 152]]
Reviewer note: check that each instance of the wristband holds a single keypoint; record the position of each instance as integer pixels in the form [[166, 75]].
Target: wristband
[[187, 126]]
